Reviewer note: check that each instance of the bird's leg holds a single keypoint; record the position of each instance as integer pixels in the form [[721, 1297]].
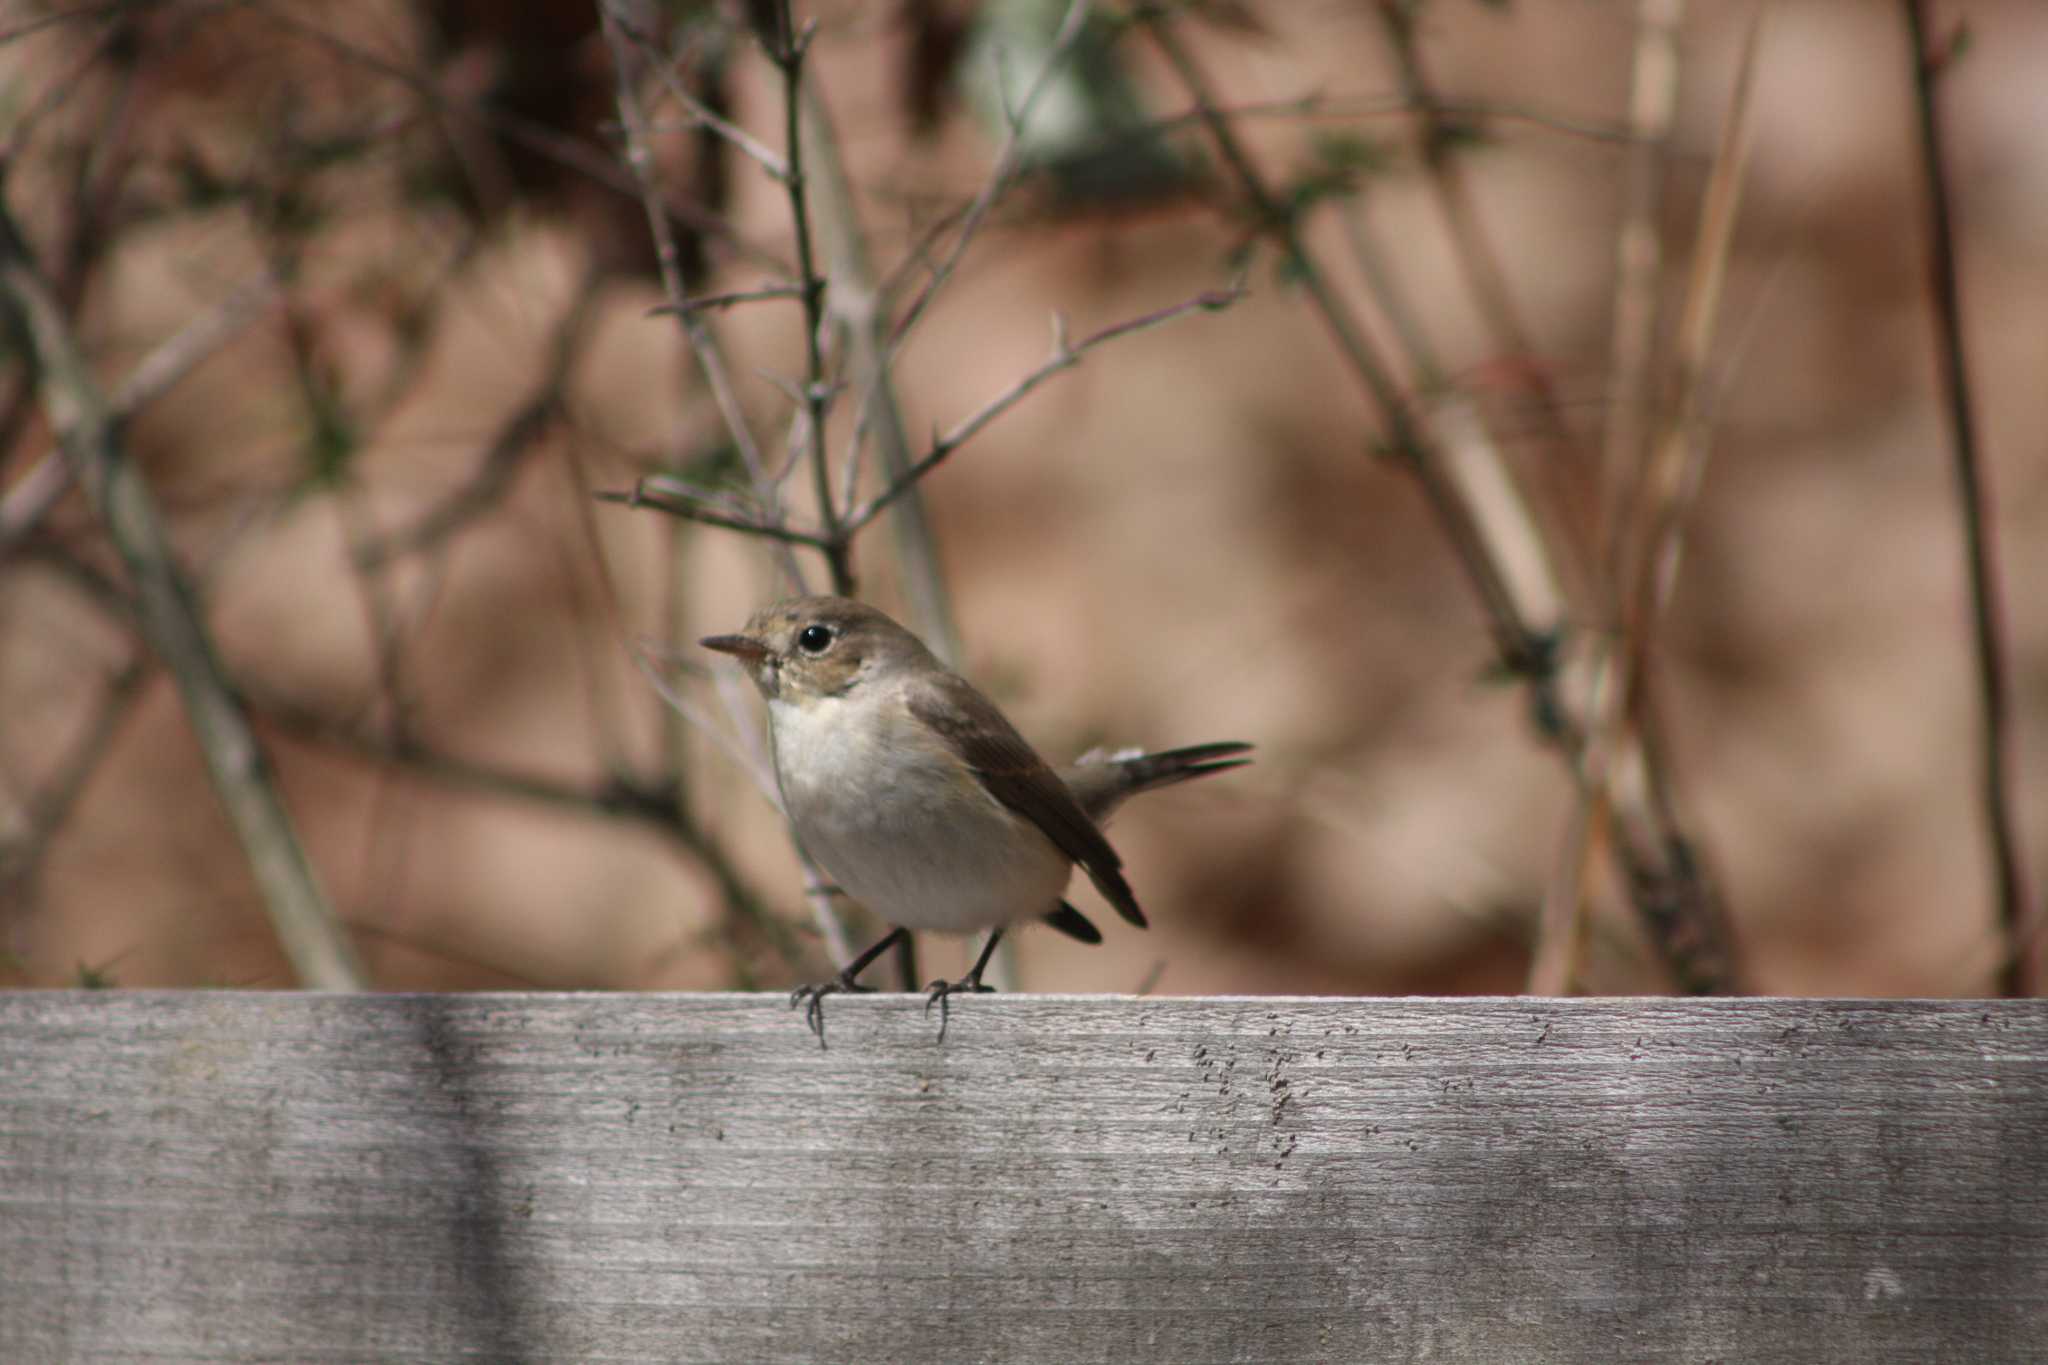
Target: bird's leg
[[812, 997], [938, 991]]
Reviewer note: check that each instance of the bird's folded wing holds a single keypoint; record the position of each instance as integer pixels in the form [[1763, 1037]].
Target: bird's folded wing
[[1015, 775]]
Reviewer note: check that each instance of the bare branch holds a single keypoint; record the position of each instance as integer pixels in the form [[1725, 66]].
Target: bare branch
[[50, 808], [33, 496], [705, 302], [60, 88], [1666, 879], [854, 303], [1994, 741], [704, 342], [1555, 963], [1653, 105], [1064, 357], [75, 14], [1485, 280], [518, 436], [1524, 642], [700, 114], [1405, 105], [171, 621], [618, 798], [1008, 161], [788, 51], [666, 494], [1614, 755]]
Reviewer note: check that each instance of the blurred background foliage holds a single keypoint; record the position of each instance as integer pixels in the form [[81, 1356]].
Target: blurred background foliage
[[395, 274]]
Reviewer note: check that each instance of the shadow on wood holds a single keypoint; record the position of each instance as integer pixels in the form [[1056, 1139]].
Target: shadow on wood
[[558, 1178]]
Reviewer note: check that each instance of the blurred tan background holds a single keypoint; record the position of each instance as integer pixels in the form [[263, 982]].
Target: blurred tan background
[[1185, 538]]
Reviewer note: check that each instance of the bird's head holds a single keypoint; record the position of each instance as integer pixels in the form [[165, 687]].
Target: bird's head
[[804, 648]]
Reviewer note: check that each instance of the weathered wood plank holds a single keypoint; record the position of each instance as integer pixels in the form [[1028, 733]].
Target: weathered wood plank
[[595, 1178]]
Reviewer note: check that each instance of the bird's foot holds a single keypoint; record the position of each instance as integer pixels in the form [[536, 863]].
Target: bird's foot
[[939, 992], [812, 998]]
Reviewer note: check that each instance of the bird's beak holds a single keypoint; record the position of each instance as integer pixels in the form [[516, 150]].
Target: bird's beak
[[742, 646]]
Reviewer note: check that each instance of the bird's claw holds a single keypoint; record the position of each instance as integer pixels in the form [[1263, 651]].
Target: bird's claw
[[940, 991], [812, 998]]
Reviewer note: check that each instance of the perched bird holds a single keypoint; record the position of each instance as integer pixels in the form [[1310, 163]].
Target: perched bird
[[915, 794]]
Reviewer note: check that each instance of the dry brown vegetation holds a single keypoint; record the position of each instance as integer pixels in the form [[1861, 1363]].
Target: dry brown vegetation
[[1566, 506]]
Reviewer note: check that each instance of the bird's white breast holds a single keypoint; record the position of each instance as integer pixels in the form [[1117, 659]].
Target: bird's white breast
[[902, 824]]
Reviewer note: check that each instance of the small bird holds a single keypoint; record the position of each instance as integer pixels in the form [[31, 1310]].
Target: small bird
[[915, 794]]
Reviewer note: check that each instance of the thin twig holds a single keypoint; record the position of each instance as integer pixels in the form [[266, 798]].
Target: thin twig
[[1664, 874], [618, 798], [861, 330], [1525, 643], [1555, 963], [1456, 427], [664, 494], [1317, 106], [706, 302], [1615, 753], [1653, 105], [741, 743], [531, 135], [61, 87], [787, 52], [1430, 372], [1065, 355], [703, 340], [2016, 976], [172, 622], [640, 161], [518, 436], [701, 114], [50, 477], [654, 663], [75, 14], [1479, 265], [49, 809], [1008, 159]]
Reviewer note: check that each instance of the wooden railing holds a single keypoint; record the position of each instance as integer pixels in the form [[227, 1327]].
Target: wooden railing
[[563, 1178]]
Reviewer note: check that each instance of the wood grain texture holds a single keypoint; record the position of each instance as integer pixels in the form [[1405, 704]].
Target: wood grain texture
[[682, 1178]]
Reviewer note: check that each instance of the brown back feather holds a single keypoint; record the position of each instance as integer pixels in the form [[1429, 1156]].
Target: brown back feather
[[1015, 775]]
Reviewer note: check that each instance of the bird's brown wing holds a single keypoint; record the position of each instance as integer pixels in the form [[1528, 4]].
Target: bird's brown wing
[[1016, 776]]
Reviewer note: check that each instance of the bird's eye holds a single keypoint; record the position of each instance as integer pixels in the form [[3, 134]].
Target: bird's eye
[[814, 639]]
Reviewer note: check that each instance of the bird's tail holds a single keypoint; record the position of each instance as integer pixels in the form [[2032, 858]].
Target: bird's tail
[[1102, 781]]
